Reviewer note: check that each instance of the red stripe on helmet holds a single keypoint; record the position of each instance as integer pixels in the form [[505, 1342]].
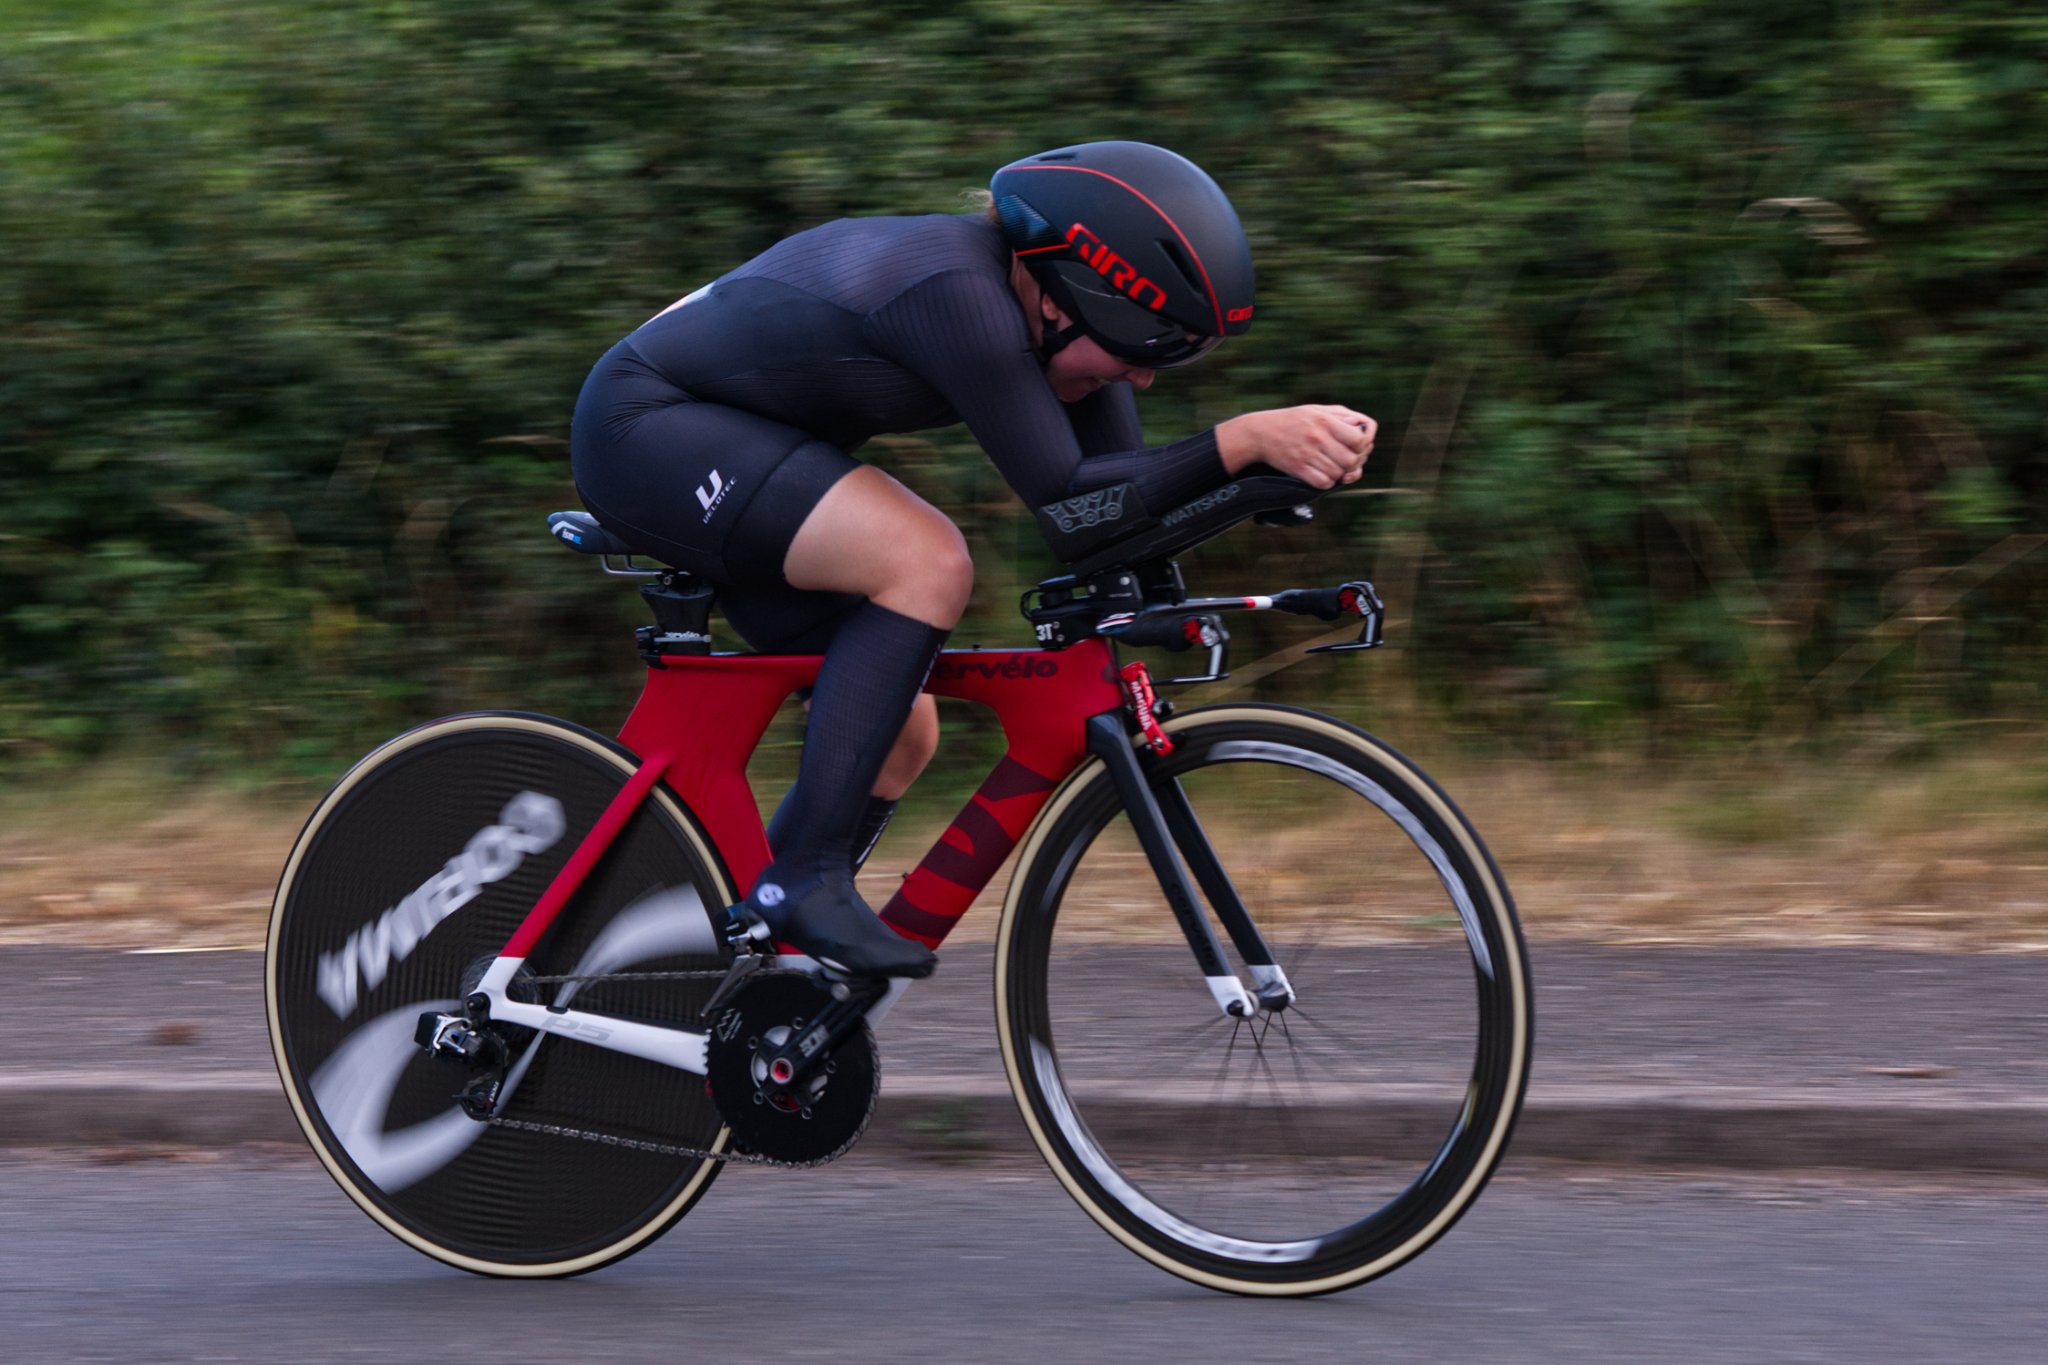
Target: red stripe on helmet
[[1214, 303]]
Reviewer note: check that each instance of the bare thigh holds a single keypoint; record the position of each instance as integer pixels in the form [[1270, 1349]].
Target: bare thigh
[[872, 536]]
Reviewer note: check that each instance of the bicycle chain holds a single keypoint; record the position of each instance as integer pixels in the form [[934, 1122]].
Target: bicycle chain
[[636, 1144], [623, 976], [642, 1145]]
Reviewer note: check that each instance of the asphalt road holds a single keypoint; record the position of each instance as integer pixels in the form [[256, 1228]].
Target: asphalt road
[[1655, 1057], [259, 1257], [1815, 1020]]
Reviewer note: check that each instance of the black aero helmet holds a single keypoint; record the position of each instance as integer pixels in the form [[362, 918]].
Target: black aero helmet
[[1136, 244]]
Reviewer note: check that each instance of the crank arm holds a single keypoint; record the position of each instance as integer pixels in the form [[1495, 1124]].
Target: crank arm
[[804, 962], [852, 997]]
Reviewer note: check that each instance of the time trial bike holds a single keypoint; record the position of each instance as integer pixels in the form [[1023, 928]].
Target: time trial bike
[[521, 1024]]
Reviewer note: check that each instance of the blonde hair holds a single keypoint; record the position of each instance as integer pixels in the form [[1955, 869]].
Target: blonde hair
[[985, 202]]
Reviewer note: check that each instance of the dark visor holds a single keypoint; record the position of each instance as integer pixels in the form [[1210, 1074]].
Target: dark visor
[[1126, 329]]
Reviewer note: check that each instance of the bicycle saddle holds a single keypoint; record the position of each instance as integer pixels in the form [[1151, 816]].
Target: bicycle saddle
[[581, 533], [1110, 526]]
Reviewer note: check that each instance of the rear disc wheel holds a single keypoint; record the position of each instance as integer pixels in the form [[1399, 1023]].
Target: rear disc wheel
[[416, 867]]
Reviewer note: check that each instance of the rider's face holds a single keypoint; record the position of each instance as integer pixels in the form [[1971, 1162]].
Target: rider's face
[[1081, 367]]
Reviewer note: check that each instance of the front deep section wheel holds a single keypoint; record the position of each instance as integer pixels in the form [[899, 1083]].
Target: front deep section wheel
[[1358, 1111], [408, 878]]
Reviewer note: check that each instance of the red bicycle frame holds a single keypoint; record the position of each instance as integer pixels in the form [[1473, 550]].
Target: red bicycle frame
[[700, 718]]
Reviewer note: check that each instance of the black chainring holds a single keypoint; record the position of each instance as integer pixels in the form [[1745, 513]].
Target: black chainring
[[825, 1112]]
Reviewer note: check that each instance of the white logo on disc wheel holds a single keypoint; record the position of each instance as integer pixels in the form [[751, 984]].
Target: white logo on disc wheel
[[353, 1088]]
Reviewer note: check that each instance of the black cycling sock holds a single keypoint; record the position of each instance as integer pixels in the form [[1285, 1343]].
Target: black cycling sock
[[871, 677], [874, 818]]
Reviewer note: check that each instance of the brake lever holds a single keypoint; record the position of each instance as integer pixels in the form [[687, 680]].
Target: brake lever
[[1175, 629], [1363, 598]]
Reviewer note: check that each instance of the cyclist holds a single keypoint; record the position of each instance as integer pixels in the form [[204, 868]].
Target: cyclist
[[717, 437]]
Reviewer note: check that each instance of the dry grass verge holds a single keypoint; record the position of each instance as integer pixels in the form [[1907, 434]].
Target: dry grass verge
[[1949, 854]]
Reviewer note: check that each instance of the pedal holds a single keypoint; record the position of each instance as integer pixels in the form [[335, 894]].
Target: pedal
[[746, 932]]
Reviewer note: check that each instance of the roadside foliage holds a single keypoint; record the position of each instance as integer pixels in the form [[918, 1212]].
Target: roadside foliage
[[1708, 339]]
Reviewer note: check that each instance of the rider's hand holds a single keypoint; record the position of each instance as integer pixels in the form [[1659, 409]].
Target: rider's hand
[[1322, 444]]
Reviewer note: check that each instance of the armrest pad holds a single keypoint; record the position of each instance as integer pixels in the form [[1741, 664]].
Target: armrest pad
[[1076, 527], [1110, 526]]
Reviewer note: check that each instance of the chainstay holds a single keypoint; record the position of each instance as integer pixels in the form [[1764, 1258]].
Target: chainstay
[[641, 1144]]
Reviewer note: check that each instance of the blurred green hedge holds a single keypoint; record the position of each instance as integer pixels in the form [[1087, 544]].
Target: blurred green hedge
[[1708, 338]]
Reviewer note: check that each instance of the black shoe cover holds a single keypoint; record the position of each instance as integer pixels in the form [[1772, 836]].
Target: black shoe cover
[[826, 918]]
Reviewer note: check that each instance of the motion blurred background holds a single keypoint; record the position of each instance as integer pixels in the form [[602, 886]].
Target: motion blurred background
[[1707, 341]]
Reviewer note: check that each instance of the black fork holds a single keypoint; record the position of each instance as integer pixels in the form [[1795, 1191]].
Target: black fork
[[1165, 821]]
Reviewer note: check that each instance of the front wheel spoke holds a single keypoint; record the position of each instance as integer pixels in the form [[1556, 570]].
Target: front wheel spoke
[[1293, 1052], [1318, 1039], [1192, 1137], [1229, 1049], [1187, 1041], [1282, 1112], [1301, 955]]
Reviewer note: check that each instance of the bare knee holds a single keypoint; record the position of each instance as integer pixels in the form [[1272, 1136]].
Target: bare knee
[[928, 575], [871, 535]]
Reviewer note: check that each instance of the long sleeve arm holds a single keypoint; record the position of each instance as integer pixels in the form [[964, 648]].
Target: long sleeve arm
[[963, 333]]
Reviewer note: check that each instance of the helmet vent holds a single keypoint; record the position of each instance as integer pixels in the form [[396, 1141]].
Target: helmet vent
[[1054, 156], [1023, 225], [1179, 258]]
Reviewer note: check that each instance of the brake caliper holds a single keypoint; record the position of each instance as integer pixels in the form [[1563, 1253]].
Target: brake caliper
[[1144, 703]]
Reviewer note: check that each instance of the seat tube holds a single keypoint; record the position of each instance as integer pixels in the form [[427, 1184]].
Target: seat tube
[[572, 874]]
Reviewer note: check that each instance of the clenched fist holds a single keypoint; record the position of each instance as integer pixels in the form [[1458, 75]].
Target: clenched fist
[[1322, 444]]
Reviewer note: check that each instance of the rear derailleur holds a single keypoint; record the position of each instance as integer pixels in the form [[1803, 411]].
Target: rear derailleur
[[474, 1040], [476, 1045]]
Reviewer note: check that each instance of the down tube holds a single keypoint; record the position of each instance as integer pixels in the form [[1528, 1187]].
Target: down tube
[[1043, 700]]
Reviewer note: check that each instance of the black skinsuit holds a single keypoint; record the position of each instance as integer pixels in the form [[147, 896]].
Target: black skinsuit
[[708, 435]]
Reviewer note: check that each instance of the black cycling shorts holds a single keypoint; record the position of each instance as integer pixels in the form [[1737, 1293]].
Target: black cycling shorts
[[711, 489]]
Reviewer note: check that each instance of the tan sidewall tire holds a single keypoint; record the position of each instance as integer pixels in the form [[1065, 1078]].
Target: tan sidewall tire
[[1489, 892], [679, 821]]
